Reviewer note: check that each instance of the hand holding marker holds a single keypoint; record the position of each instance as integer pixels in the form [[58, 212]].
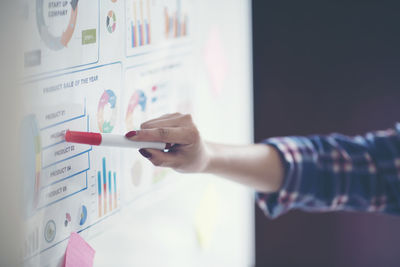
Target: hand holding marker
[[171, 140], [115, 140]]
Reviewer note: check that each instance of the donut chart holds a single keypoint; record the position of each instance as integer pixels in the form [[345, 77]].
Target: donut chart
[[50, 231], [138, 99], [111, 21], [107, 102], [83, 215], [56, 42]]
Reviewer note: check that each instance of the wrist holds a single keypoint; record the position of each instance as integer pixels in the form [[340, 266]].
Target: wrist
[[209, 158]]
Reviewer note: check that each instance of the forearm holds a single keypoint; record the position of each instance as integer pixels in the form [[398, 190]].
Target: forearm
[[258, 166]]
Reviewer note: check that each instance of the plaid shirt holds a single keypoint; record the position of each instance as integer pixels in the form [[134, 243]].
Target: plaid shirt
[[336, 172]]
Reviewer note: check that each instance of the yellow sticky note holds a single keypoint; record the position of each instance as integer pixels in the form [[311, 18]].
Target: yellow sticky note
[[206, 215]]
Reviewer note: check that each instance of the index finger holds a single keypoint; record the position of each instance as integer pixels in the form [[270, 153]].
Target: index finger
[[175, 135], [163, 117], [176, 121]]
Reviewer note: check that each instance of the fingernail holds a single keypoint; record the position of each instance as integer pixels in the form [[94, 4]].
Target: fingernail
[[130, 134], [145, 153], [168, 146]]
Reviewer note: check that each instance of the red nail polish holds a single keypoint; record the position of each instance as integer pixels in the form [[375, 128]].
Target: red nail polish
[[168, 146], [130, 134], [145, 153]]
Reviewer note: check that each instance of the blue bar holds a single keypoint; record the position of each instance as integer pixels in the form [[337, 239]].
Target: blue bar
[[99, 182], [133, 34], [109, 182], [140, 34], [115, 182], [104, 171], [147, 31]]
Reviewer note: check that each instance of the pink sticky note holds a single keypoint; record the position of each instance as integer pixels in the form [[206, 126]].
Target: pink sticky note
[[216, 61], [79, 253]]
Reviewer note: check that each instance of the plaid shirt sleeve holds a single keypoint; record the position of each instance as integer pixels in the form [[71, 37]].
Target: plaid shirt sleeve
[[336, 172]]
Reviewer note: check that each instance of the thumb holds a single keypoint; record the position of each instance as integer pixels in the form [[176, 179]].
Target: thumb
[[160, 158]]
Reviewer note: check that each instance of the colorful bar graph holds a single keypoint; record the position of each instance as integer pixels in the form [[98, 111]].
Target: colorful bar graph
[[140, 27], [175, 22], [106, 204]]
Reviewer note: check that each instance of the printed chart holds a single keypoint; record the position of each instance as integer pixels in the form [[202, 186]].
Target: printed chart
[[176, 20], [65, 30], [151, 91], [61, 178], [139, 27], [136, 110], [107, 111], [107, 190], [152, 24], [111, 21]]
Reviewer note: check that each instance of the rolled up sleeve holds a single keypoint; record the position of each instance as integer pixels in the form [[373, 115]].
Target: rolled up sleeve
[[336, 172]]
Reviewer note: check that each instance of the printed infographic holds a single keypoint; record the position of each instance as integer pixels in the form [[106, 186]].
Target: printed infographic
[[70, 186], [153, 24], [62, 34]]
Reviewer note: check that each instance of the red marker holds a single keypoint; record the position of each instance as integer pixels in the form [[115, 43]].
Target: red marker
[[102, 139]]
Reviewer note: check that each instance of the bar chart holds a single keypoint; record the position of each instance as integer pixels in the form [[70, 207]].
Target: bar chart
[[176, 21], [140, 23], [107, 190]]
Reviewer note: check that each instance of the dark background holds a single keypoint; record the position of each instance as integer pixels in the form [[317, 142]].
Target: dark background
[[322, 67]]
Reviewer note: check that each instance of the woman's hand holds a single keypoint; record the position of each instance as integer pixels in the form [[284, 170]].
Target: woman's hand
[[188, 153], [258, 166]]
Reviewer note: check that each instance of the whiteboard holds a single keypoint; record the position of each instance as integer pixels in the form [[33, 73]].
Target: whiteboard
[[107, 66]]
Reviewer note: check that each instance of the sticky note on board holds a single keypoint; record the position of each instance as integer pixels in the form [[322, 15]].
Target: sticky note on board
[[206, 216], [216, 61], [79, 253]]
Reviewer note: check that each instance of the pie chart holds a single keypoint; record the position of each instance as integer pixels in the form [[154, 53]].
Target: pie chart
[[111, 21], [136, 110], [83, 215], [56, 42]]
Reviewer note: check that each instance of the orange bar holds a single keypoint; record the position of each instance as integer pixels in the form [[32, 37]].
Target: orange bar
[[175, 26]]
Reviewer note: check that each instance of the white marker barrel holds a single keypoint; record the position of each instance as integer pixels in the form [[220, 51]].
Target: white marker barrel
[[122, 141]]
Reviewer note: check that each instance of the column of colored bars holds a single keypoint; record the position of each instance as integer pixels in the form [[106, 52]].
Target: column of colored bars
[[175, 23], [107, 190], [140, 27]]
